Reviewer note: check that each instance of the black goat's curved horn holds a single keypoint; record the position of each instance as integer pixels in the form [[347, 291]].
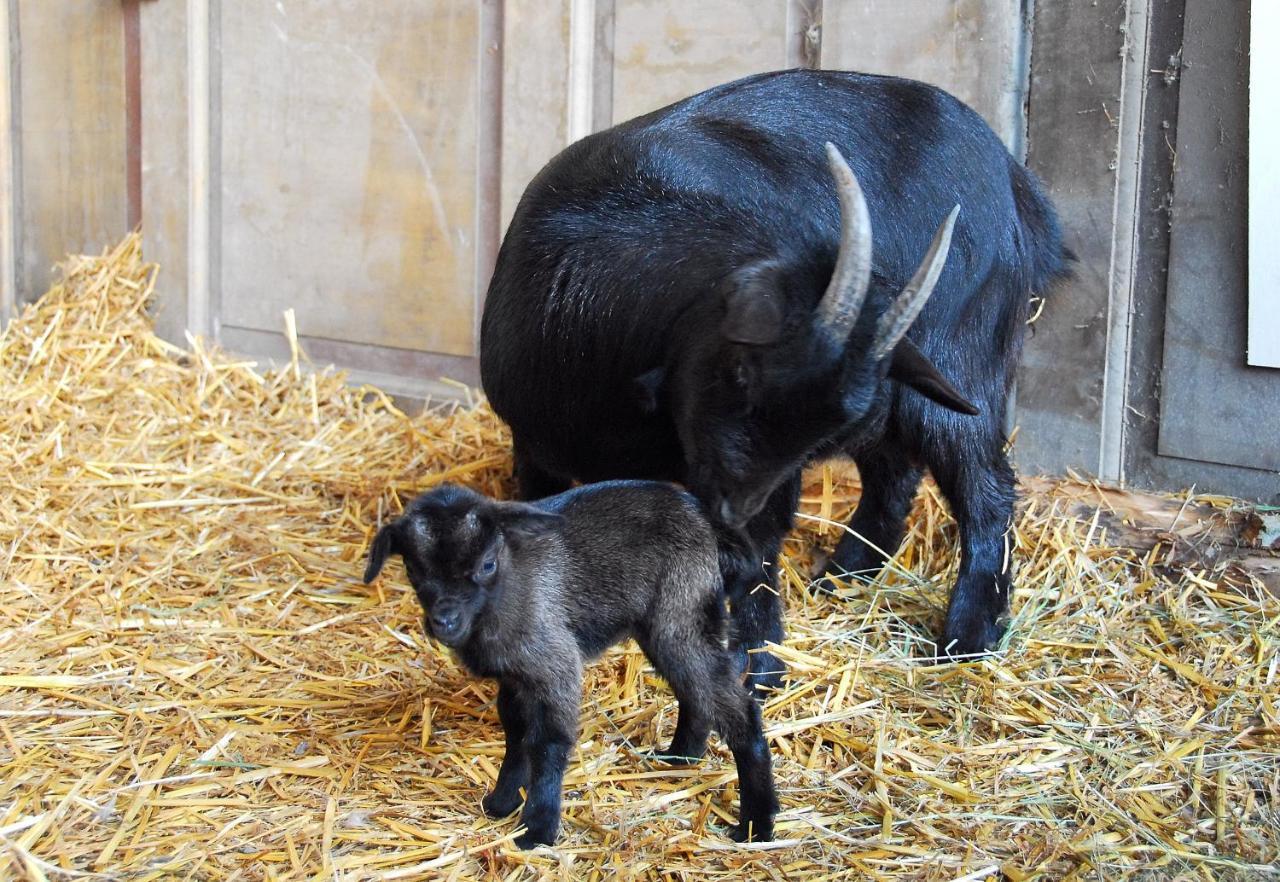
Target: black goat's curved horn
[[897, 318], [852, 276]]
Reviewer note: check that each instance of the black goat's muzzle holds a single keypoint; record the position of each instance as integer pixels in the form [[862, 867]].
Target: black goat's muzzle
[[446, 625]]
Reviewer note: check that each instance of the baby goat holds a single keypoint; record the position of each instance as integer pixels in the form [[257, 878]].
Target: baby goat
[[526, 593]]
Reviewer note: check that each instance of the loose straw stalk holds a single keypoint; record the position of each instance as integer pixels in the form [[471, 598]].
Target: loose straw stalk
[[196, 685]]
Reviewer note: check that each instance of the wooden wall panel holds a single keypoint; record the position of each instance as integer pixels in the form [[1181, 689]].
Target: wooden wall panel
[[1077, 83], [166, 158], [971, 48], [1214, 407], [8, 161], [349, 170], [71, 125], [665, 50], [535, 96]]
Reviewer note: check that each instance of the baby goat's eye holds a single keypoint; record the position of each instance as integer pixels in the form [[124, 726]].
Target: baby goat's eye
[[488, 567]]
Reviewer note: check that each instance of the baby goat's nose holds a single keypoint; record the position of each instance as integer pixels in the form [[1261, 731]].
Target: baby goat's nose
[[444, 622]]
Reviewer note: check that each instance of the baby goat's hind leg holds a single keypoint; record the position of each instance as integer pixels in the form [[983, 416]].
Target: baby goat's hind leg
[[684, 667], [739, 722], [700, 672]]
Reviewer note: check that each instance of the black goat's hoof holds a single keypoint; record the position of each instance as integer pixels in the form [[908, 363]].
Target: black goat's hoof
[[825, 584], [969, 641]]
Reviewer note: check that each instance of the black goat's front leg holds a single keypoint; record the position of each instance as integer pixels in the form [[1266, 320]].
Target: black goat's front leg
[[548, 742], [750, 571], [889, 484], [981, 493], [504, 798]]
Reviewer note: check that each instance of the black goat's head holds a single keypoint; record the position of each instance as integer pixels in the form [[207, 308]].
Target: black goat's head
[[460, 550], [781, 378]]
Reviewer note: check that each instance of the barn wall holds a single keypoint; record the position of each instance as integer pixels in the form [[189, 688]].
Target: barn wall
[[62, 106], [1136, 370], [359, 167]]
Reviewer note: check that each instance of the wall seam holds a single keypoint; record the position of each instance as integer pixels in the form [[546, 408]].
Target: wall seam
[[582, 51], [489, 101], [10, 160], [1122, 271], [199, 139]]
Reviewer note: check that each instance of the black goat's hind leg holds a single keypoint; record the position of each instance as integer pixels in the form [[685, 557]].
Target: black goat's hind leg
[[981, 494], [688, 652], [889, 485]]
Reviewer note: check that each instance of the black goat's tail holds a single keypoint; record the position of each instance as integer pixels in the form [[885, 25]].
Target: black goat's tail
[[1046, 258]]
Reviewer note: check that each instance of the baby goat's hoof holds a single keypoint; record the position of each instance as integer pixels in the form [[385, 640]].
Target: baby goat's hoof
[[753, 831], [675, 758], [529, 839], [499, 805], [684, 751]]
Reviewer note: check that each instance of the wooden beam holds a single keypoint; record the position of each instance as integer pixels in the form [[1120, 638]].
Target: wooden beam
[[200, 108], [9, 173], [1073, 140]]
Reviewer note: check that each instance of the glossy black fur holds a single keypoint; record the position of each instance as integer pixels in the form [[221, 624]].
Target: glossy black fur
[[642, 257], [526, 594]]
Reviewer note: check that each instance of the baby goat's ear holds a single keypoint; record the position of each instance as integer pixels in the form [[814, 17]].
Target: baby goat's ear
[[521, 521], [385, 544]]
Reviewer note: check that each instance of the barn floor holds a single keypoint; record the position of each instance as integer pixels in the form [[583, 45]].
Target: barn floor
[[196, 685]]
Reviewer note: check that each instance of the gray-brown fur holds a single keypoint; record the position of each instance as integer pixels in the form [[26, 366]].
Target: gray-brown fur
[[528, 593]]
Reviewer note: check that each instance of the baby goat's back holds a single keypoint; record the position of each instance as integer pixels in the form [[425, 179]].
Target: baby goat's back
[[630, 546]]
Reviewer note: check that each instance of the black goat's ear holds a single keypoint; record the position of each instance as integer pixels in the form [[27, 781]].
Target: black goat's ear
[[385, 544], [521, 521], [753, 305], [648, 386], [911, 367]]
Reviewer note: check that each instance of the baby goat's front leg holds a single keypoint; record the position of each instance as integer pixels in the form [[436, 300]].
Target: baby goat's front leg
[[514, 773], [552, 728]]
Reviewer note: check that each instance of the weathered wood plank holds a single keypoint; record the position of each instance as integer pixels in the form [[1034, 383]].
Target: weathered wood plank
[[8, 163], [665, 51], [165, 160], [971, 48], [1215, 408], [535, 99], [1076, 81], [72, 129], [349, 170]]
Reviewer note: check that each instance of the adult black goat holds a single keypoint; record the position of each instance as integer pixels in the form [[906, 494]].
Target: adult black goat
[[684, 297]]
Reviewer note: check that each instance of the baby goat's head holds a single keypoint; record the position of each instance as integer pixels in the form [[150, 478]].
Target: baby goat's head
[[458, 549]]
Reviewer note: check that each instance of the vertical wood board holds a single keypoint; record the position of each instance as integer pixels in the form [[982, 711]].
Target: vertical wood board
[[72, 132], [349, 170], [665, 51]]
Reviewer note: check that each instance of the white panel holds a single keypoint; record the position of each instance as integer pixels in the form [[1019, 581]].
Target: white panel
[[1264, 189]]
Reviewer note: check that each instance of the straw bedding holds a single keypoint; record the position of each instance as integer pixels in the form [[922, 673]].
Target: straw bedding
[[196, 685]]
